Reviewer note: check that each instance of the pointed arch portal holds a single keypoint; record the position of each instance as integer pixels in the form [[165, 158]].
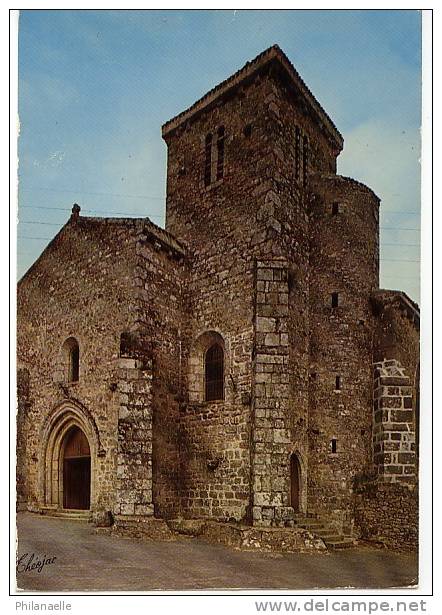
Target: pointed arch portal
[[70, 446]]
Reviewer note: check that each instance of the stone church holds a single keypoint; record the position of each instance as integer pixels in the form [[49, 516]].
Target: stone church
[[241, 365]]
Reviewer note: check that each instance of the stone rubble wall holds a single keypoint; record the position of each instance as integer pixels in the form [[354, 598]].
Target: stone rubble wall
[[344, 259], [224, 232], [23, 406], [388, 514], [82, 286], [161, 318]]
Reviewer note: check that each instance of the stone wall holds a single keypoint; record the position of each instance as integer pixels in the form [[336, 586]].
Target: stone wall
[[23, 406], [388, 514], [81, 287], [276, 259], [161, 275], [271, 435], [100, 281], [344, 260], [134, 461], [224, 227]]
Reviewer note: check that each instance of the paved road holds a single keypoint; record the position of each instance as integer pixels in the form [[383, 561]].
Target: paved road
[[89, 562]]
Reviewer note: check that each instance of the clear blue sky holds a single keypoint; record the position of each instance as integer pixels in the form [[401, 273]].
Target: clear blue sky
[[95, 87]]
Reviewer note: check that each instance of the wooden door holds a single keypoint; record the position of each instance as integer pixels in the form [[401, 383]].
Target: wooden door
[[76, 471], [77, 483], [295, 482]]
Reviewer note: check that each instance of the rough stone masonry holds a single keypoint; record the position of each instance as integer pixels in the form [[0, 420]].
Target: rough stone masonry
[[240, 365]]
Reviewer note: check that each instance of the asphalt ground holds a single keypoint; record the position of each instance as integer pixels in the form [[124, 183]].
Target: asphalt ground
[[80, 560]]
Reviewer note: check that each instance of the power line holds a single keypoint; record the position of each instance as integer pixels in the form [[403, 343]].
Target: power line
[[401, 277], [39, 238], [391, 260], [42, 207], [54, 223], [68, 209], [398, 260], [79, 191], [389, 228], [34, 222], [407, 245], [122, 213]]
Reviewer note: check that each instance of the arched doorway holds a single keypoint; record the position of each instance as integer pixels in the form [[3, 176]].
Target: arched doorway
[[295, 482], [76, 470]]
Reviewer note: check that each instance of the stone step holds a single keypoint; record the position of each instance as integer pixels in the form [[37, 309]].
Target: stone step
[[341, 543], [306, 515], [312, 526], [328, 535], [324, 530], [72, 514]]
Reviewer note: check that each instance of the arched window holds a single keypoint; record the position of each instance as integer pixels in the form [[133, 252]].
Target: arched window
[[71, 354], [214, 373]]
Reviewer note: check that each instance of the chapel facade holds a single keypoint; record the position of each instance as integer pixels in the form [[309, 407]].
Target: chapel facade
[[241, 364]]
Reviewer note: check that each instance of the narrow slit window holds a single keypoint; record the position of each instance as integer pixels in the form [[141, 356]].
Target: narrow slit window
[[338, 383], [208, 160], [214, 373], [74, 367], [335, 209], [305, 166], [220, 151], [297, 153], [334, 445], [335, 300], [71, 353], [248, 131]]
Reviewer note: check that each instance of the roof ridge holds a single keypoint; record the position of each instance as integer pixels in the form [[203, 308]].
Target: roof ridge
[[273, 52], [162, 233]]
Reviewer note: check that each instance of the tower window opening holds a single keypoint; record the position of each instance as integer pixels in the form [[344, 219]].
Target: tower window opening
[[214, 373], [297, 153], [335, 209], [208, 160], [248, 130], [338, 383], [305, 166], [71, 352], [220, 151], [74, 366], [334, 445], [335, 300]]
